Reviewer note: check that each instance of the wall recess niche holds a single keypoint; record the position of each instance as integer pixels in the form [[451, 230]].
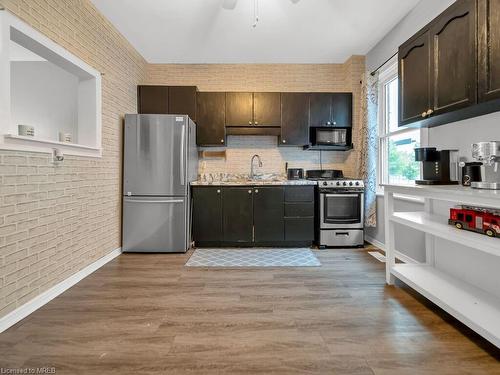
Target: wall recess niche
[[49, 98]]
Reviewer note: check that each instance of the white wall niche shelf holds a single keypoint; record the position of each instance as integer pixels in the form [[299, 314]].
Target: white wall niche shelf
[[49, 88], [473, 306]]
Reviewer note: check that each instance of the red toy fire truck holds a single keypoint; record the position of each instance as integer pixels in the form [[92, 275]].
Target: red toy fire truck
[[476, 219]]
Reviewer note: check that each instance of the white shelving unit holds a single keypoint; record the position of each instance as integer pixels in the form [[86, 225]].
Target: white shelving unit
[[473, 306]]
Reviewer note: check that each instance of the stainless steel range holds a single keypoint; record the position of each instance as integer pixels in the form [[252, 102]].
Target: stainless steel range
[[340, 205]]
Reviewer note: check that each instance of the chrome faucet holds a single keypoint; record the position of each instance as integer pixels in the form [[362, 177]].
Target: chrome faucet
[[251, 165]]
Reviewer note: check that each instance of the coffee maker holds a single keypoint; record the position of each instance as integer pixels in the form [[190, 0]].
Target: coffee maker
[[438, 167], [489, 154]]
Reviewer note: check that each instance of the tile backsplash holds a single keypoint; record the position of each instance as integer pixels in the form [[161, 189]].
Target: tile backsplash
[[240, 149]]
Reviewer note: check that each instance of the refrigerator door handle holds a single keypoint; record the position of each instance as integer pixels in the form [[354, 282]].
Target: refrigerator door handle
[[146, 201], [183, 136]]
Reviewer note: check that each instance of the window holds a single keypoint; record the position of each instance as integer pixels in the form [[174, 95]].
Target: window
[[397, 163], [51, 99]]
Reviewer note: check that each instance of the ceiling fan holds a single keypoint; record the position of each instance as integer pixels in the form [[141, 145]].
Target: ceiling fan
[[231, 4]]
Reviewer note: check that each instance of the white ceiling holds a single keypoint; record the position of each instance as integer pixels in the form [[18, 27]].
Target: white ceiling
[[289, 31]]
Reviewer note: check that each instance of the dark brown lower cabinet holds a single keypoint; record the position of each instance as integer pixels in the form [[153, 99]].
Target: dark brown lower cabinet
[[207, 218], [268, 214], [253, 216], [237, 214]]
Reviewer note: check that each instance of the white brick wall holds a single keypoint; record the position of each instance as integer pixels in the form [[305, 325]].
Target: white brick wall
[[56, 220]]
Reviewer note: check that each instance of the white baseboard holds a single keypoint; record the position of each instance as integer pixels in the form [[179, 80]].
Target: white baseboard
[[23, 311], [399, 255]]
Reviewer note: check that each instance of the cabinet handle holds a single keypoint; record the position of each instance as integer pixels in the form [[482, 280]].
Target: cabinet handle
[[249, 122], [328, 123], [218, 191], [424, 114], [256, 190], [430, 112], [284, 141], [249, 191], [221, 141], [335, 123], [256, 123]]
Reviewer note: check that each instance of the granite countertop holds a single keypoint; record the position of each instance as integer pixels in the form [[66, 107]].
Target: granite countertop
[[222, 179]]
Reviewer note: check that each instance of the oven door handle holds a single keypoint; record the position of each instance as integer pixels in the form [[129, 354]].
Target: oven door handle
[[340, 195]]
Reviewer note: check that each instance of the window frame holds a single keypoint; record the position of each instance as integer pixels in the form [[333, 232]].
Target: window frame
[[387, 73]]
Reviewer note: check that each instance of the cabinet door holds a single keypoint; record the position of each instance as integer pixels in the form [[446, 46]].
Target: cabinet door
[[294, 119], [239, 109], [266, 109], [207, 214], [237, 214], [453, 58], [321, 109], [489, 50], [342, 109], [268, 211], [414, 79], [182, 101], [210, 119], [152, 99]]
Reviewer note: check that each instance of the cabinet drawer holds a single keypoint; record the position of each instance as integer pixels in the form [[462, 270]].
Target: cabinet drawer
[[299, 229], [299, 209], [299, 193]]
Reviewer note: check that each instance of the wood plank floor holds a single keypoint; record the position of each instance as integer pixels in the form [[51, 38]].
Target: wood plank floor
[[147, 314]]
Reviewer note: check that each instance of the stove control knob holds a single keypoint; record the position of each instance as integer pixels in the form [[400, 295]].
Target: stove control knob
[[338, 183], [345, 183], [357, 183], [350, 183], [325, 183]]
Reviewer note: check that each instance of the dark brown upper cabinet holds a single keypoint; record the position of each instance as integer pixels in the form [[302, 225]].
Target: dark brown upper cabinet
[[449, 70], [152, 99], [331, 109], [489, 50], [414, 78], [453, 58], [267, 109], [253, 109], [182, 101], [321, 109], [239, 109], [342, 109], [294, 119], [211, 119]]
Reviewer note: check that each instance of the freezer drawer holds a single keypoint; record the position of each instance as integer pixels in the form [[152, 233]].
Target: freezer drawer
[[341, 237], [155, 224]]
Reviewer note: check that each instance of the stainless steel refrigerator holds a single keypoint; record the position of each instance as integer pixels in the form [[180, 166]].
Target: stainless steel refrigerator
[[160, 160]]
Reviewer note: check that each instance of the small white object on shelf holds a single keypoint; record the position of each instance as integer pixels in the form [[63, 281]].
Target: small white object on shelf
[[65, 137], [26, 130]]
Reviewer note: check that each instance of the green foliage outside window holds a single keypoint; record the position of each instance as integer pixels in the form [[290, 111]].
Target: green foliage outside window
[[402, 164]]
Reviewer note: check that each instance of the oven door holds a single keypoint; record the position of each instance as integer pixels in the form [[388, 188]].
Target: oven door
[[341, 210]]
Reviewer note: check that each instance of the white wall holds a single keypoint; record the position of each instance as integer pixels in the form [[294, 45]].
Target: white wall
[[478, 268], [45, 96]]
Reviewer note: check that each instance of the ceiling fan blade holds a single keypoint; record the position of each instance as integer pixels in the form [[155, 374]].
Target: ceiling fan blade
[[229, 4]]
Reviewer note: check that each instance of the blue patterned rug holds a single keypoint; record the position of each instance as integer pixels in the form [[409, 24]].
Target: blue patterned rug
[[265, 257]]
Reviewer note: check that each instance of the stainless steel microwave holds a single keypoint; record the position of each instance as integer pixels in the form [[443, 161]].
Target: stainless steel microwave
[[329, 136]]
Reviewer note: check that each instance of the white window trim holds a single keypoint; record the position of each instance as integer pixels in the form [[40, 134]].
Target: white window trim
[[9, 140], [387, 74]]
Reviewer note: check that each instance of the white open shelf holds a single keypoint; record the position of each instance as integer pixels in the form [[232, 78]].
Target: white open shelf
[[472, 306], [49, 141], [439, 227]]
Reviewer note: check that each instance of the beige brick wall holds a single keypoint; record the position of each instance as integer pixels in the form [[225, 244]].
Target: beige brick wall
[[56, 220], [271, 77]]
